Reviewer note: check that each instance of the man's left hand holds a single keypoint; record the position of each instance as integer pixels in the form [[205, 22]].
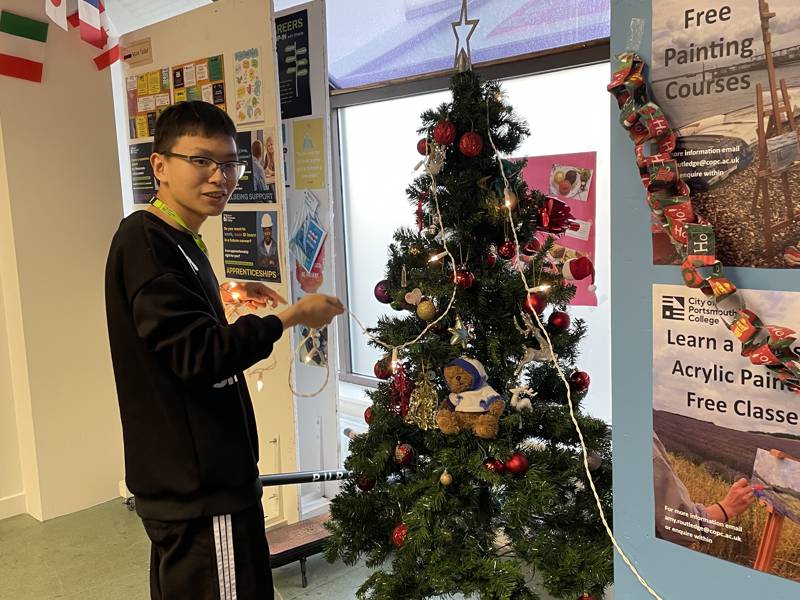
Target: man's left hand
[[251, 294]]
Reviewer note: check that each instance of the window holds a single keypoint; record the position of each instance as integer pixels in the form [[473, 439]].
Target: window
[[567, 111], [404, 38]]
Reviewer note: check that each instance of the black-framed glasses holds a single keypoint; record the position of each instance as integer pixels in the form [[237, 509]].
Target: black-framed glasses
[[231, 170]]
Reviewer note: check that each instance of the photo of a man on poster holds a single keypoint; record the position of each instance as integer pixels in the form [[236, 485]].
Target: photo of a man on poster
[[267, 244]]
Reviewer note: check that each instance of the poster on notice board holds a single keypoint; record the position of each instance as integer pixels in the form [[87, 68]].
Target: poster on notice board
[[726, 434]]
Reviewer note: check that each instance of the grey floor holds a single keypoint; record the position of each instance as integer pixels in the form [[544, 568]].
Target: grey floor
[[102, 553]]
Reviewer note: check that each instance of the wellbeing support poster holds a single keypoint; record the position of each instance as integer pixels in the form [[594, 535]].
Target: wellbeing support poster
[[717, 419]]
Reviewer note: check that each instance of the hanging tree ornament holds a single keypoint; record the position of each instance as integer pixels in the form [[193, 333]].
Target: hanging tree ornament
[[471, 144], [382, 292], [445, 478], [403, 455], [460, 334], [494, 465], [464, 279], [521, 396], [422, 146], [444, 133], [365, 483], [507, 250], [368, 415], [423, 403], [426, 310], [559, 320], [518, 464], [400, 392], [414, 297], [579, 381], [463, 30], [399, 535]]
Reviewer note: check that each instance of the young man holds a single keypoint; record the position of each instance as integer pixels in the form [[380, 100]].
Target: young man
[[191, 447]]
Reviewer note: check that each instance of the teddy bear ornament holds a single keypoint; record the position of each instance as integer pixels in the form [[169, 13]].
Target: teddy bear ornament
[[472, 404]]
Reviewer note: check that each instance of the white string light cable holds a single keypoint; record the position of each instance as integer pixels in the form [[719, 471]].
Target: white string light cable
[[575, 423]]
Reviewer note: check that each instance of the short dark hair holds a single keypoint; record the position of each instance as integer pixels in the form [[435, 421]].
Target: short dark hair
[[191, 118]]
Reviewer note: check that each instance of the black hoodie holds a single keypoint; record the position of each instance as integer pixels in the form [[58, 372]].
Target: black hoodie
[[191, 446]]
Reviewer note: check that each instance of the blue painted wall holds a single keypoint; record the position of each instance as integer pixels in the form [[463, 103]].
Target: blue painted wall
[[675, 573]]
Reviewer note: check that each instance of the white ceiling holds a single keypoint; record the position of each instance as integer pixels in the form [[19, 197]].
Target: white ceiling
[[129, 15]]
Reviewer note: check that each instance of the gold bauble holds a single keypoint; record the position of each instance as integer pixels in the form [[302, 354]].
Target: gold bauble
[[426, 310], [511, 200], [445, 478]]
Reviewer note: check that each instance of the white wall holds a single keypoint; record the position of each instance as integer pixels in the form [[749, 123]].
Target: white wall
[[58, 213], [223, 28], [12, 498]]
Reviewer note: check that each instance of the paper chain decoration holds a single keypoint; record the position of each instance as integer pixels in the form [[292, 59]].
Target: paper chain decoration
[[693, 236]]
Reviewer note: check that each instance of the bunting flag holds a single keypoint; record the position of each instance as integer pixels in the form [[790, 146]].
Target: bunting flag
[[22, 46], [57, 11], [91, 26], [112, 50]]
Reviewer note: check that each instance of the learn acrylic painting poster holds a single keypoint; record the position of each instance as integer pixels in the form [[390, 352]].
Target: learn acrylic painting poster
[[719, 419], [571, 178]]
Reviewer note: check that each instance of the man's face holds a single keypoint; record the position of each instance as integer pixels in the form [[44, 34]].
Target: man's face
[[199, 191], [267, 231]]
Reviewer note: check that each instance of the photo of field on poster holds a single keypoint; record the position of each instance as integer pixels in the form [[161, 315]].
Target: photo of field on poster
[[713, 70], [726, 436]]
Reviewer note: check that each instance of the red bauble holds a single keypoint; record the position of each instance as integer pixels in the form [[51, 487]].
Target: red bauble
[[383, 369], [399, 535], [470, 144], [532, 247], [368, 415], [464, 278], [422, 147], [365, 483], [444, 133], [534, 303], [579, 381], [403, 454], [559, 321], [491, 259], [494, 465], [518, 464], [507, 249]]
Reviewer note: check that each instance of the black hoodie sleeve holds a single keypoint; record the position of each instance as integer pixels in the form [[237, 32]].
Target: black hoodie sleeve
[[176, 324]]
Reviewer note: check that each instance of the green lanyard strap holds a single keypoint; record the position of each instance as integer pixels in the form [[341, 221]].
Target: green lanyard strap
[[155, 202]]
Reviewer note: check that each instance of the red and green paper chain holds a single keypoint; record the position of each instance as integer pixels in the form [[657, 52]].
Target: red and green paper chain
[[693, 236]]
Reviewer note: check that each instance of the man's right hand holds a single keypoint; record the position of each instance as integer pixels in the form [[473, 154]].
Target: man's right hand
[[313, 310]]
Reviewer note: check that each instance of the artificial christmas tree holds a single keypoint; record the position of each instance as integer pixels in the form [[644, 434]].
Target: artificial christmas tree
[[440, 502]]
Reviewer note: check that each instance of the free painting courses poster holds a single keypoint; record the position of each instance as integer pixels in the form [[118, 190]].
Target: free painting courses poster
[[707, 62], [718, 419]]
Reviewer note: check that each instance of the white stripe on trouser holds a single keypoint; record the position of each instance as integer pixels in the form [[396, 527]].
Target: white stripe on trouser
[[226, 567]]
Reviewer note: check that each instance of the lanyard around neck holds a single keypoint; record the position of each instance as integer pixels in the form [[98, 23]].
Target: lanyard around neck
[[156, 203]]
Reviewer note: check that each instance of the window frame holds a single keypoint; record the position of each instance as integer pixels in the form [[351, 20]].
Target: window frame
[[568, 57]]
